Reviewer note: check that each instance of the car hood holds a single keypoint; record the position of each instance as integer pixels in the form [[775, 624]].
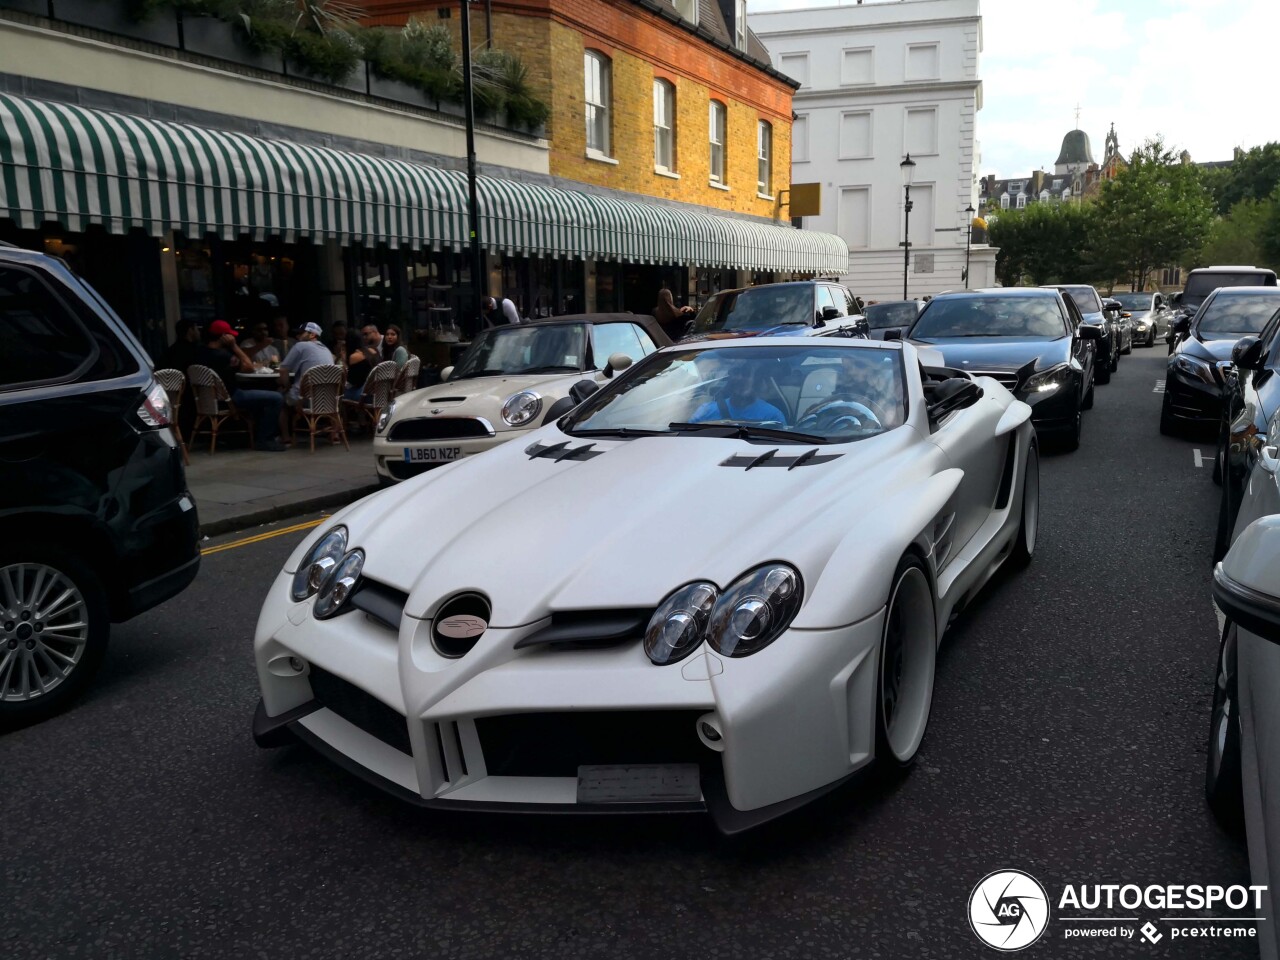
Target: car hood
[[624, 528], [484, 396], [1211, 350], [999, 353]]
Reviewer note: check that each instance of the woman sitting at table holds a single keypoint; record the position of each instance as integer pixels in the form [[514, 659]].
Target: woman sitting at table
[[393, 348]]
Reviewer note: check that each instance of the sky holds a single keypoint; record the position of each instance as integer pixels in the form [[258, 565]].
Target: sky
[[1200, 73]]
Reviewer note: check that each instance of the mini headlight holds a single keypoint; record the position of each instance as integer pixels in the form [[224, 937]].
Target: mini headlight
[[679, 625], [319, 563], [521, 407], [338, 587], [385, 416], [755, 610]]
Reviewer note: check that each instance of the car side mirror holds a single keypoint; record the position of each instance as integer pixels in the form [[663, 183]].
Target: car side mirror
[[617, 363], [829, 313], [1245, 582], [1110, 304], [1088, 331], [1182, 324], [953, 394], [1177, 299], [861, 328], [444, 374], [583, 389], [893, 333], [1247, 353]]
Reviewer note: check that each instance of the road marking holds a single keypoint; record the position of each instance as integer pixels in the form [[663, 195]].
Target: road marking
[[1159, 387], [258, 538], [1201, 460]]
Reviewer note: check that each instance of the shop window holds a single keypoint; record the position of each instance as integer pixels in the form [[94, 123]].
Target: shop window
[[717, 142], [598, 95], [764, 158], [664, 126]]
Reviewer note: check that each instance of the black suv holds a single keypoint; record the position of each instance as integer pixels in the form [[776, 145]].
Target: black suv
[[96, 524]]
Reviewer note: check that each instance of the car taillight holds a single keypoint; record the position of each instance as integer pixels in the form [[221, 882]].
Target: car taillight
[[155, 411]]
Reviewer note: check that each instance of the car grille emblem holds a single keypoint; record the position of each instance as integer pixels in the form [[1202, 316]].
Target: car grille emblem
[[462, 627], [436, 410]]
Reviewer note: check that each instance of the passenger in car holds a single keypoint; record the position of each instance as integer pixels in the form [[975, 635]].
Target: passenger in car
[[742, 399]]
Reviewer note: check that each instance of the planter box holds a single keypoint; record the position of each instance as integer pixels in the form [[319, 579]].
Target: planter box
[[396, 90], [39, 7], [212, 37], [111, 17], [451, 108], [357, 80]]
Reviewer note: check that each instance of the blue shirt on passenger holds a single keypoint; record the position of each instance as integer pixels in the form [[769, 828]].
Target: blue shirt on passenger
[[756, 411]]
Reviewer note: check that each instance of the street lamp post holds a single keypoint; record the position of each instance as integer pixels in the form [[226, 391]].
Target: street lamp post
[[473, 205], [968, 239], [908, 167]]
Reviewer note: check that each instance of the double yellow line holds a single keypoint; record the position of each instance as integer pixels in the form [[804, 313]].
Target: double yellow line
[[259, 537]]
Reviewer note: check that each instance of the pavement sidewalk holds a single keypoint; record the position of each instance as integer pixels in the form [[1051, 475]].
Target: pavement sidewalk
[[237, 488]]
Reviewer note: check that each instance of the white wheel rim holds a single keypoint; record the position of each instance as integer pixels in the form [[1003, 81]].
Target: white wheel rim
[[907, 658], [1031, 501], [44, 628]]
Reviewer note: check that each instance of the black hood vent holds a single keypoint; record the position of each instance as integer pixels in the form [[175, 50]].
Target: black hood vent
[[561, 451], [770, 458]]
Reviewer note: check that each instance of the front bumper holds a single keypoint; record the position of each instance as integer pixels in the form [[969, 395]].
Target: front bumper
[[1193, 401], [1054, 412], [391, 463], [475, 733]]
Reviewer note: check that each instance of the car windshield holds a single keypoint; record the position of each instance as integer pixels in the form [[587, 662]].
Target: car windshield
[[1232, 317], [1134, 302], [517, 349], [832, 393], [1021, 318], [757, 308], [1200, 285], [883, 316]]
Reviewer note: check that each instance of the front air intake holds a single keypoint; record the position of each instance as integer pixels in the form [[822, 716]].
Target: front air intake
[[459, 623]]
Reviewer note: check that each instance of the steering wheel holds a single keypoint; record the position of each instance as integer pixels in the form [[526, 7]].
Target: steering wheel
[[839, 414], [861, 398]]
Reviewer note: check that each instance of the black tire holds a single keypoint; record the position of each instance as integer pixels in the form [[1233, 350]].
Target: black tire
[[1102, 371], [1222, 784], [1115, 359], [908, 610], [1168, 426], [1070, 439], [1129, 348], [1222, 532], [21, 630], [1024, 541], [1151, 338], [1087, 402]]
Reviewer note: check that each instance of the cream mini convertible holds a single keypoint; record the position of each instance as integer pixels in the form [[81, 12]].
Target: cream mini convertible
[[511, 380], [717, 584]]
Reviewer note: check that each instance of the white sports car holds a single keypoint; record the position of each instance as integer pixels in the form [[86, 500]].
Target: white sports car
[[717, 584]]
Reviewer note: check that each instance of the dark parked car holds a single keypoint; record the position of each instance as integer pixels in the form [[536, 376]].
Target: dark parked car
[[96, 524], [889, 315], [1250, 400], [1199, 364], [817, 307], [1149, 314], [1033, 340], [1204, 280], [1090, 304]]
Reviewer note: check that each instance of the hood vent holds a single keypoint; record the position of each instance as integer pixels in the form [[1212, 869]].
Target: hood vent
[[590, 628], [459, 624], [770, 458], [560, 451], [445, 399]]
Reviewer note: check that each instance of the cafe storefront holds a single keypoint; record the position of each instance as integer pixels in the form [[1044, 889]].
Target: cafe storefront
[[175, 221]]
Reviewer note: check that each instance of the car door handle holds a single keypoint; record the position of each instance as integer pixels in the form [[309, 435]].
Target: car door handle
[[1268, 459]]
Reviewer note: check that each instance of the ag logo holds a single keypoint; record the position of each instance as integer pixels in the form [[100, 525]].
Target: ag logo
[[1008, 910], [462, 626]]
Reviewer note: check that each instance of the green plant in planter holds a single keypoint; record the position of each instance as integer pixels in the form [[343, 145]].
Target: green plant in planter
[[418, 55]]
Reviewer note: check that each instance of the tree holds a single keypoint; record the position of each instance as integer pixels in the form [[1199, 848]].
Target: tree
[[1044, 243], [1269, 233], [1253, 174], [1238, 237], [1155, 212]]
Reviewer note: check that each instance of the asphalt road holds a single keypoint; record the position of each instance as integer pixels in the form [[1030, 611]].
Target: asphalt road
[[1067, 740]]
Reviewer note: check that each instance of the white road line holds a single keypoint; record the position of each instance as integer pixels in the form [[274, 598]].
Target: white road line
[[1200, 457], [1159, 387]]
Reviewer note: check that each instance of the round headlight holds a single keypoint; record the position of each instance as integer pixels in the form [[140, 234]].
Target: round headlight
[[337, 589], [755, 610], [521, 407], [385, 416], [319, 563], [679, 624]]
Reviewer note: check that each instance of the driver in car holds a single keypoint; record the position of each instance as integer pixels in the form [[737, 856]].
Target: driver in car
[[741, 400], [867, 389]]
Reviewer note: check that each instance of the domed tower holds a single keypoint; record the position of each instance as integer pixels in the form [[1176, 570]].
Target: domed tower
[[1075, 155]]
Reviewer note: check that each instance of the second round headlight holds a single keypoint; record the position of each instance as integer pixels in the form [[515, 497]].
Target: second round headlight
[[337, 589], [520, 408], [755, 610]]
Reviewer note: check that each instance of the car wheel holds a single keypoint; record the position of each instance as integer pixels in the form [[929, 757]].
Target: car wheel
[[1102, 372], [908, 653], [1024, 542], [1217, 465], [1151, 338], [1115, 359], [1071, 436], [1222, 784], [53, 634], [1087, 403], [1129, 348], [1222, 534], [1168, 426]]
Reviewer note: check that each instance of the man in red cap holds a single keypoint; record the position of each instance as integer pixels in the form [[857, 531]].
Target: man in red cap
[[221, 354]]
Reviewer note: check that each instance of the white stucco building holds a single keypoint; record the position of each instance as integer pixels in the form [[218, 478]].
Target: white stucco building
[[879, 81]]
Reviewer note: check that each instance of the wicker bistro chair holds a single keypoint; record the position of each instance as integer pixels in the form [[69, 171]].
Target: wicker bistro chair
[[213, 404], [320, 392], [407, 378], [174, 383], [378, 390]]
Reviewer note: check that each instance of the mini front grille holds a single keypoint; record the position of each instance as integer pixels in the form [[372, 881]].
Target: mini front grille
[[439, 428], [360, 709]]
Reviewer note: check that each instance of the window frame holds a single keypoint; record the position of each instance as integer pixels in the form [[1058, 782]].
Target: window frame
[[844, 81], [906, 129], [90, 359], [937, 66], [721, 177], [664, 93], [740, 24], [764, 158], [803, 141], [871, 135], [604, 108]]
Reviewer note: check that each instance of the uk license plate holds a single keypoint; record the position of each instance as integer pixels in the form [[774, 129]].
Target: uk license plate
[[638, 783], [431, 454]]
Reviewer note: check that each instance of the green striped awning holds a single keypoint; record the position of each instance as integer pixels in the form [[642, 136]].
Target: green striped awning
[[81, 166]]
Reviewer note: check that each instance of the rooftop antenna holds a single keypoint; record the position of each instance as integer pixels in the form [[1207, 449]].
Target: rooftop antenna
[[1077, 116]]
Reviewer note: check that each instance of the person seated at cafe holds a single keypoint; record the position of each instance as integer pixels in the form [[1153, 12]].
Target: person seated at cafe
[[260, 347], [182, 352], [360, 362], [393, 348], [280, 334], [221, 354], [341, 341], [306, 353]]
